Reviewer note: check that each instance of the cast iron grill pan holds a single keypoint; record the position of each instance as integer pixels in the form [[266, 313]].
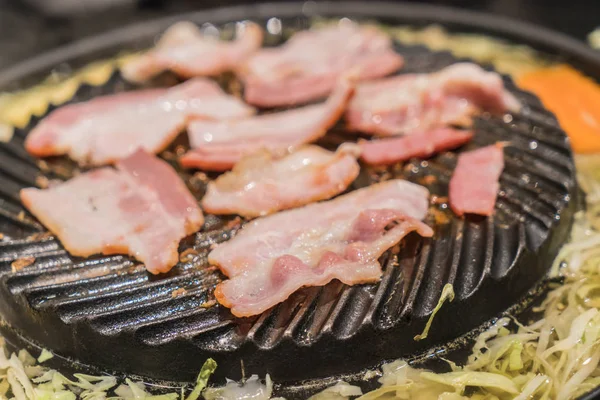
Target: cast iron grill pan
[[110, 313]]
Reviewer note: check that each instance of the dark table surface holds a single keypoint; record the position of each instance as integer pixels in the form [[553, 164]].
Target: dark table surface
[[28, 27]]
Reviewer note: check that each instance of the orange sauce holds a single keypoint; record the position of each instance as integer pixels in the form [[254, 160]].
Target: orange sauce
[[573, 98]]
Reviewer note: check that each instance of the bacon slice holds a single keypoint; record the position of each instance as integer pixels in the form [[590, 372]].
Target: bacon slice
[[411, 103], [337, 239], [474, 184], [142, 208], [397, 149], [186, 51], [106, 129], [218, 145], [308, 65], [263, 183]]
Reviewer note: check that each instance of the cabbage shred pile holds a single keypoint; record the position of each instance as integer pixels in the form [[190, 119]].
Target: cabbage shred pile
[[22, 377]]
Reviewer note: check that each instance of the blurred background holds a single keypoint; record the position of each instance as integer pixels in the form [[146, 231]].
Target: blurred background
[[28, 27]]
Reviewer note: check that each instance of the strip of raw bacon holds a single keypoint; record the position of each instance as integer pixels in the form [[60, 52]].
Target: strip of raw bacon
[[186, 51], [264, 183], [106, 129], [142, 208], [474, 184], [308, 65], [272, 257], [411, 103], [397, 149], [218, 145]]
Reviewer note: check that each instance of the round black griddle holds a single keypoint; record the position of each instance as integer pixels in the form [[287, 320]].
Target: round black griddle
[[109, 314]]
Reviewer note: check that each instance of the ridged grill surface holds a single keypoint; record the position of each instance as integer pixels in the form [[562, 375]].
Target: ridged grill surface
[[109, 312]]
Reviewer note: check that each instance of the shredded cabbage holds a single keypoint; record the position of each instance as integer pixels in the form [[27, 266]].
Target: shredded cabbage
[[137, 391], [207, 370], [251, 389], [6, 132], [45, 356], [339, 391], [594, 38], [21, 378], [447, 294]]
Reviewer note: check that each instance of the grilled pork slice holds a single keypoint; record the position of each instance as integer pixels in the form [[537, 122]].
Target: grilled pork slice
[[474, 184], [187, 52], [307, 66], [142, 208], [218, 145], [108, 128], [264, 183], [424, 144], [274, 256], [411, 103]]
